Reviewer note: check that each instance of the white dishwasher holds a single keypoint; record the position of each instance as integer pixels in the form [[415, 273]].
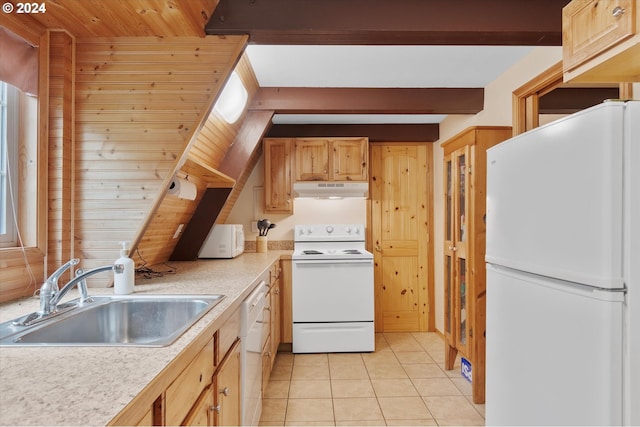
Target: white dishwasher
[[251, 331]]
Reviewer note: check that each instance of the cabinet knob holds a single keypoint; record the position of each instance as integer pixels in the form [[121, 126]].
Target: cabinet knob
[[225, 391], [617, 11], [276, 291], [215, 408]]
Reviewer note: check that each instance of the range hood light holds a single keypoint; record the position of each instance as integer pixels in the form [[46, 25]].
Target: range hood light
[[331, 190]]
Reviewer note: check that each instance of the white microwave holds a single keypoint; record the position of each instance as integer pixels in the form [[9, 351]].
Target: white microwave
[[223, 241]]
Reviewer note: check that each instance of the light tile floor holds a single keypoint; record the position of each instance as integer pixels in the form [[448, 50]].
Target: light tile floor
[[402, 383]]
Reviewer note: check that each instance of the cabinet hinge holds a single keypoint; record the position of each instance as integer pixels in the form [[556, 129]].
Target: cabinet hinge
[[470, 170]]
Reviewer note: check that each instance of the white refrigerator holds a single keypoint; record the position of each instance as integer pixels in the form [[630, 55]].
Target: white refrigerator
[[563, 272]]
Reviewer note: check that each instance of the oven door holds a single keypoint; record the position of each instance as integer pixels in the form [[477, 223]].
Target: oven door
[[332, 290]]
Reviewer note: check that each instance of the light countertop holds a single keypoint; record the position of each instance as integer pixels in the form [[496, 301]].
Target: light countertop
[[91, 385]]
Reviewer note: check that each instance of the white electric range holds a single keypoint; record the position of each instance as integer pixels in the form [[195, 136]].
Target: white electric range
[[332, 289]]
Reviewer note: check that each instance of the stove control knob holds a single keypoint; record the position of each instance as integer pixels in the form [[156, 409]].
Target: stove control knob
[[356, 230], [348, 230], [329, 229], [309, 231]]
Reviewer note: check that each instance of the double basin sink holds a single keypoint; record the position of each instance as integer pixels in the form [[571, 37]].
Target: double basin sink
[[137, 320]]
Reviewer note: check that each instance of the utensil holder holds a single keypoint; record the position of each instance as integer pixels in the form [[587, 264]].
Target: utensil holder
[[261, 244]]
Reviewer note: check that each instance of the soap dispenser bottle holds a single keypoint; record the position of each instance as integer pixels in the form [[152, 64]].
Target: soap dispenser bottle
[[123, 282]]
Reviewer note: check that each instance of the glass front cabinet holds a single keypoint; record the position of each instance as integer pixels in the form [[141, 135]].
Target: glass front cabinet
[[464, 248]]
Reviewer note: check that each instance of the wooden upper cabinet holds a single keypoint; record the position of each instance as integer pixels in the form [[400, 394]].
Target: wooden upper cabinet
[[601, 41], [350, 159], [312, 159], [332, 159], [277, 171]]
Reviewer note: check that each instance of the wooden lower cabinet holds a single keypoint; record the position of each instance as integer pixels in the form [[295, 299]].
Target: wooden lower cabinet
[[226, 410], [206, 388], [188, 387]]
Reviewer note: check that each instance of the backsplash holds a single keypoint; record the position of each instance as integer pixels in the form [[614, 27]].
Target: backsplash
[[276, 245]]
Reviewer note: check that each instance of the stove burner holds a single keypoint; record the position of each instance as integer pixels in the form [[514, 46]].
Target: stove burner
[[352, 252], [311, 252]]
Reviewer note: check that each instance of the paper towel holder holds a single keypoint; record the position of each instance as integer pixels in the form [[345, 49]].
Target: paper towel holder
[[182, 188]]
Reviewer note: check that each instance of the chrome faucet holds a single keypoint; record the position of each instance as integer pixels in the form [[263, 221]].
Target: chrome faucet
[[79, 280], [50, 286], [50, 294]]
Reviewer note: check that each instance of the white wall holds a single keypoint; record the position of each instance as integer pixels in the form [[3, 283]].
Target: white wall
[[497, 112], [250, 207]]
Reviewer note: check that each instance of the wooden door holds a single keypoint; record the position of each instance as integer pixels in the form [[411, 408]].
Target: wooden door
[[401, 225]]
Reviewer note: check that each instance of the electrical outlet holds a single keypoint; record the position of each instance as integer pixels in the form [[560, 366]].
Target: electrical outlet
[[178, 231], [254, 226]]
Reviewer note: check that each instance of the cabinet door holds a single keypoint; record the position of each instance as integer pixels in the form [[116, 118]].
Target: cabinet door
[[183, 393], [201, 414], [457, 296], [286, 310], [277, 171], [312, 160], [591, 27], [267, 357], [275, 320], [448, 247], [227, 389], [461, 296], [349, 159]]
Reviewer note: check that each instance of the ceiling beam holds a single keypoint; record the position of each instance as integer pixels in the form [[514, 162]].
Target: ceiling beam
[[392, 22], [250, 134], [375, 132], [568, 100], [295, 100]]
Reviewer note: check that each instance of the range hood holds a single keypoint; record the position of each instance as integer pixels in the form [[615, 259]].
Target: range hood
[[329, 190]]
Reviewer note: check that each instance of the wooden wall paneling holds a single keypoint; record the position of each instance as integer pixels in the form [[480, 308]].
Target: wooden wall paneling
[[20, 279], [242, 151], [61, 150], [141, 102], [206, 159]]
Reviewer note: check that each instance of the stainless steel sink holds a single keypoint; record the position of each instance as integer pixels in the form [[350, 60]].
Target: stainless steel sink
[[139, 320]]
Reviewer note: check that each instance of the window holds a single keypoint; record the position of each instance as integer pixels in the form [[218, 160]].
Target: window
[[9, 122]]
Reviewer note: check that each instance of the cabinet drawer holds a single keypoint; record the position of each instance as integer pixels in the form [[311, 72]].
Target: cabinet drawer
[[228, 334], [591, 27], [184, 391]]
